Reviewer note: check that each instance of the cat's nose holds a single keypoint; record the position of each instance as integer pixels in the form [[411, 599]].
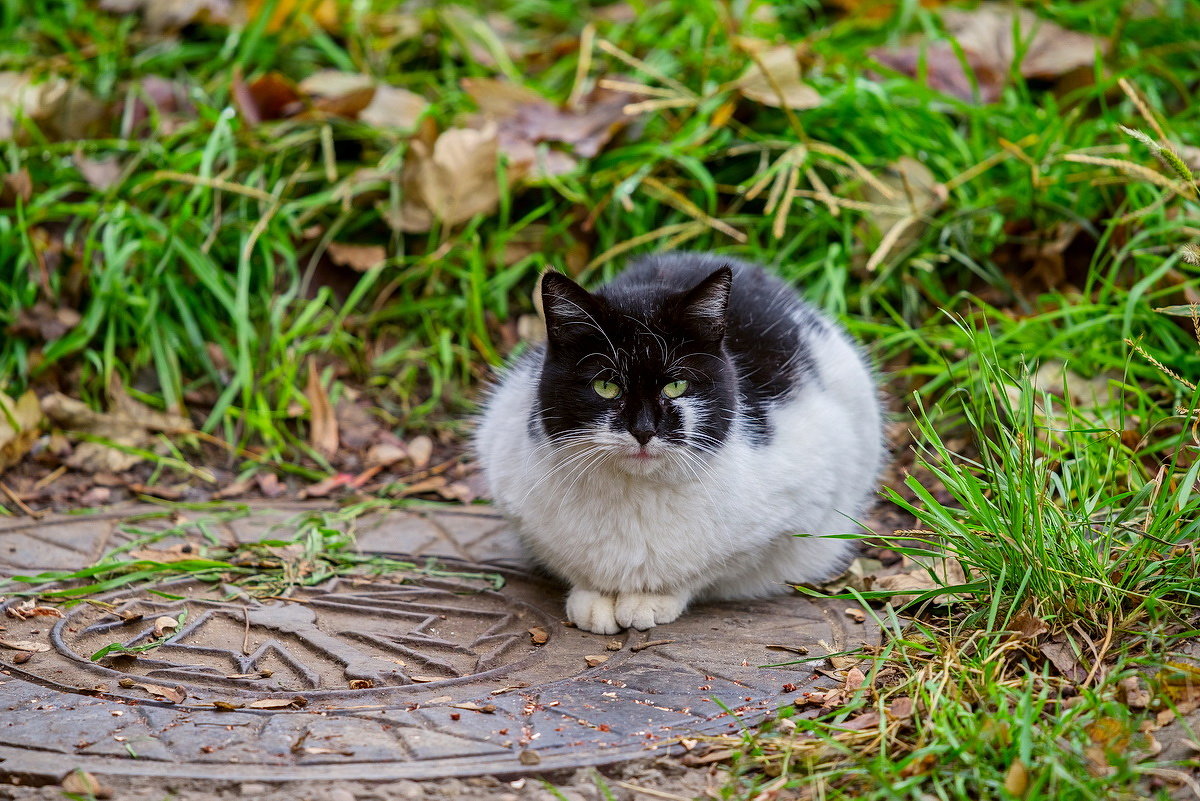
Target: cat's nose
[[642, 435]]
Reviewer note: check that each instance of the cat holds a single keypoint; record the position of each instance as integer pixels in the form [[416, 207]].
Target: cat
[[690, 431]]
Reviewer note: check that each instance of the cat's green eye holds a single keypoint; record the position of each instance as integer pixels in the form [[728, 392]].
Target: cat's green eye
[[675, 389], [606, 389]]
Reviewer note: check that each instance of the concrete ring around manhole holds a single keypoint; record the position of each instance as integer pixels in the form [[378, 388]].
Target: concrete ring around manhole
[[385, 678]]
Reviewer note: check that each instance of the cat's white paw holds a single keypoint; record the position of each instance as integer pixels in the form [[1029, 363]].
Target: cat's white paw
[[592, 611], [643, 610]]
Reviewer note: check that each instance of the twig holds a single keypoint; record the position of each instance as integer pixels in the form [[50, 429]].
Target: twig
[[644, 645], [20, 503], [246, 635], [651, 792]]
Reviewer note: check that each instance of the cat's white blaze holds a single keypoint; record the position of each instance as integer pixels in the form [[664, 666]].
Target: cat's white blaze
[[639, 539]]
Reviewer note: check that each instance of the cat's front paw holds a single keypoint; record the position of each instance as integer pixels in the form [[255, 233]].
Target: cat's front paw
[[643, 610], [592, 611]]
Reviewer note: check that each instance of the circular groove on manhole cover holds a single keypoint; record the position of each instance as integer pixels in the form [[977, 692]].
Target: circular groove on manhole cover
[[447, 680]]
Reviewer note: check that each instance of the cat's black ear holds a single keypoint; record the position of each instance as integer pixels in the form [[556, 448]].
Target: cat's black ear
[[570, 310], [702, 309]]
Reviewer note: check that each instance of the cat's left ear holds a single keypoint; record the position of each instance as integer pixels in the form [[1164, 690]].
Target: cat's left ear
[[702, 309]]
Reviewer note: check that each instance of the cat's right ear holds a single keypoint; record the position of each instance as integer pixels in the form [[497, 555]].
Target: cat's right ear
[[570, 310]]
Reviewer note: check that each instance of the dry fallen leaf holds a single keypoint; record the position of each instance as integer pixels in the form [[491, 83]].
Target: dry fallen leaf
[[773, 79], [359, 258], [268, 97], [385, 454], [451, 180], [173, 694], [898, 217], [176, 553], [29, 608], [1017, 780], [986, 36], [323, 428], [44, 322], [539, 635], [99, 173], [79, 782], [470, 706], [426, 679], [355, 96], [159, 16], [525, 120], [1136, 697], [127, 423], [24, 645], [19, 424], [164, 624], [597, 659], [271, 703], [856, 614], [58, 108], [1025, 626], [946, 573], [420, 450]]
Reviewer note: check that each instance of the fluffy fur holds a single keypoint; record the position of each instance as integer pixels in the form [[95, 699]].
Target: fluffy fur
[[644, 502]]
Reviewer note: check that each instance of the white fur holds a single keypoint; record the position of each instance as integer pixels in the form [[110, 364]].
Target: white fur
[[639, 539]]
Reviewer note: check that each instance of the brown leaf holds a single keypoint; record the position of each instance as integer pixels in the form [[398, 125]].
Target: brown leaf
[[127, 423], [901, 708], [487, 709], [452, 181], [44, 322], [16, 186], [986, 35], [323, 430], [24, 645], [269, 97], [100, 173], [80, 782], [855, 679], [947, 572], [1016, 781], [360, 97], [596, 659], [420, 450], [164, 624], [1063, 656], [426, 679], [159, 16], [273, 703], [526, 119], [392, 107], [29, 608], [1025, 626], [357, 257], [856, 614], [174, 695], [539, 635], [326, 486], [270, 485], [59, 109], [19, 424], [385, 454], [773, 79], [1136, 697]]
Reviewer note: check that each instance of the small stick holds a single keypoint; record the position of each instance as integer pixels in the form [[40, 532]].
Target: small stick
[[17, 500], [246, 636], [644, 645]]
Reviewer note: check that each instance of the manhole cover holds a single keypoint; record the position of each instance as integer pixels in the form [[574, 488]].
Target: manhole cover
[[433, 678]]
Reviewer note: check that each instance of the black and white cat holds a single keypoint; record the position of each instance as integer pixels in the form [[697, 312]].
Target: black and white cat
[[691, 430]]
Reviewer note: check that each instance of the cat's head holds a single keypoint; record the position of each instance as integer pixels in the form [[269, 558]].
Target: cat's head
[[640, 380]]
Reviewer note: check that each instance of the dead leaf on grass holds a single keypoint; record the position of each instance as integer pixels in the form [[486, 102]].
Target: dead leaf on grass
[[269, 97], [1065, 657], [1135, 696], [986, 36], [127, 423], [60, 109], [361, 97], [159, 16], [323, 425], [19, 424], [1016, 781], [43, 322], [525, 119], [774, 79], [1025, 626], [896, 220], [451, 180], [359, 258], [946, 573], [99, 173]]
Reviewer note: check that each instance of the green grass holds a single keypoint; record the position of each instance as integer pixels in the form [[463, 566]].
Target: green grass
[[198, 287]]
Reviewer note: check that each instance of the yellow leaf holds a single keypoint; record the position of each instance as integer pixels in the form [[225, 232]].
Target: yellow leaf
[[1017, 780], [19, 422]]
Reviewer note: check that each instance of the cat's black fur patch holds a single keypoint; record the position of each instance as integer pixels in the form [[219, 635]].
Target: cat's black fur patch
[[660, 321]]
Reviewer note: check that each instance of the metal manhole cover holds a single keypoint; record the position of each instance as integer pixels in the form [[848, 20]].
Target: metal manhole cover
[[414, 680], [344, 642]]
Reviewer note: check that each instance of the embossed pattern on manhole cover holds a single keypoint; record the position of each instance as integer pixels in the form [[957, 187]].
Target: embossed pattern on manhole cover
[[423, 678]]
